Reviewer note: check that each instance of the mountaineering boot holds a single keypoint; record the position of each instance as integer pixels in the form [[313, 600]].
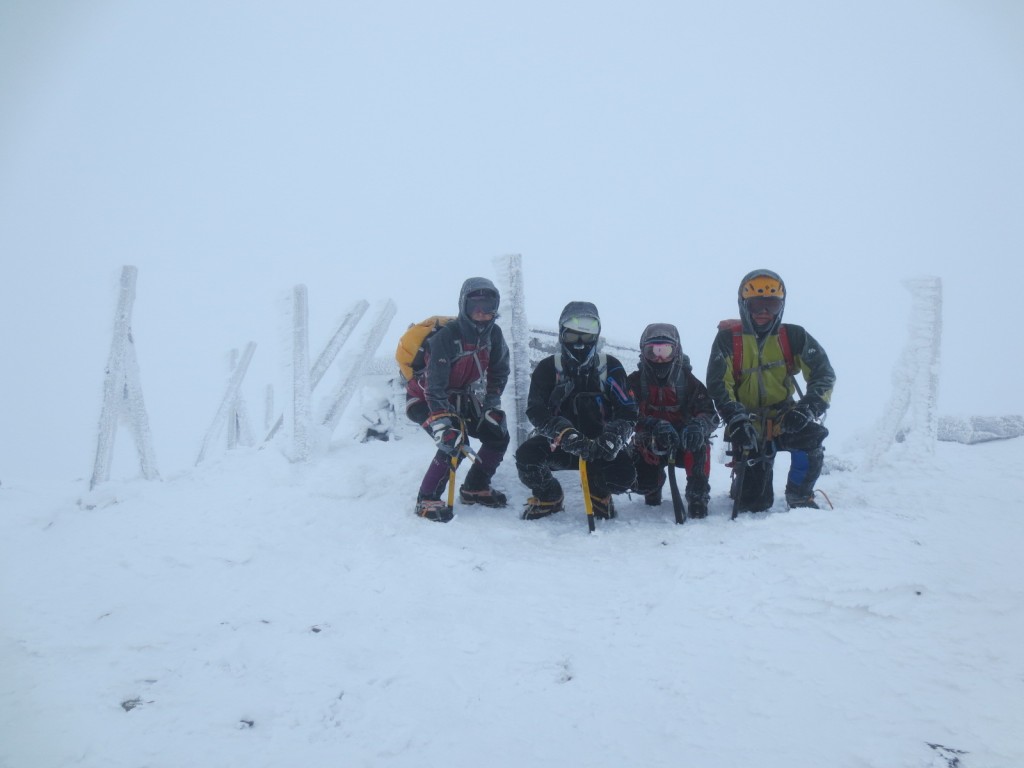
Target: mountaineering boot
[[603, 506], [488, 497], [653, 499], [537, 508], [801, 500], [698, 492], [697, 505], [433, 509]]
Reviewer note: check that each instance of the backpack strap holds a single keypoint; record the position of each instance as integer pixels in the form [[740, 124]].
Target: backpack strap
[[787, 354], [736, 326], [787, 351], [563, 387], [602, 367], [678, 384]]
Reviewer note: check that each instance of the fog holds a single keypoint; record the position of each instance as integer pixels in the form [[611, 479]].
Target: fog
[[642, 158]]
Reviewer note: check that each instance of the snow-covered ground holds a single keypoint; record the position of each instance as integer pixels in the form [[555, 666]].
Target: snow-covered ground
[[643, 156], [255, 612]]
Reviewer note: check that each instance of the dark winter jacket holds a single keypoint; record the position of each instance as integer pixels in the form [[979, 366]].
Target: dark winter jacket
[[590, 400], [679, 400], [764, 386], [459, 355]]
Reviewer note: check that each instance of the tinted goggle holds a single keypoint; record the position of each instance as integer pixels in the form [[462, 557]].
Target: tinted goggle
[[576, 337], [659, 352], [486, 305], [760, 304]]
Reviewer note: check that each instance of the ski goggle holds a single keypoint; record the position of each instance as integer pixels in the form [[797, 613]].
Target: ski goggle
[[760, 304], [659, 352], [486, 305], [576, 337]]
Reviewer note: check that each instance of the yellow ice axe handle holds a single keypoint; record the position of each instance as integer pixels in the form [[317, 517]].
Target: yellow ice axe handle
[[585, 482], [451, 481]]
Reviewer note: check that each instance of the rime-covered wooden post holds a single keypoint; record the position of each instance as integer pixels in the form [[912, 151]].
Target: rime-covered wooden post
[[231, 406], [297, 417], [514, 323], [323, 362], [915, 380], [357, 367], [268, 407], [122, 392], [239, 426]]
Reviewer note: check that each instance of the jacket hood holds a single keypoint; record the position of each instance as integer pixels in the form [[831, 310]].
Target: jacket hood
[[659, 331], [580, 316], [670, 371], [471, 286]]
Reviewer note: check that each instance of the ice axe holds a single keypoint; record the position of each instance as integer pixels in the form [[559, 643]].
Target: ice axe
[[677, 501], [587, 502]]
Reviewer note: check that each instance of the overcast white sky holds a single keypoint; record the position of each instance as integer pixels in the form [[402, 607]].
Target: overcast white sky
[[640, 155]]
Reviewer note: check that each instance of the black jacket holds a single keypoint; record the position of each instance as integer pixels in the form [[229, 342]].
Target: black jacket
[[591, 401]]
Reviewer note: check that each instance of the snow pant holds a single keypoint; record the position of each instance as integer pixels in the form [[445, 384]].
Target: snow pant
[[807, 457], [493, 445], [536, 463], [651, 477]]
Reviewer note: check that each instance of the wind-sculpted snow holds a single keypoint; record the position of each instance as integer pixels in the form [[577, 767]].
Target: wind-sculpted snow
[[980, 429], [256, 612]]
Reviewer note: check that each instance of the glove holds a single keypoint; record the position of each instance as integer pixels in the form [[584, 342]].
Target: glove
[[796, 418], [741, 433], [554, 427], [575, 443], [815, 405], [663, 438], [495, 417], [607, 445], [446, 436], [693, 438]]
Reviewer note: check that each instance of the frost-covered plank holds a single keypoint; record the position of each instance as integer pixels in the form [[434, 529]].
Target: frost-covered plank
[[239, 425], [297, 419], [348, 323], [122, 392], [517, 329], [227, 407], [356, 367], [911, 415], [979, 429]]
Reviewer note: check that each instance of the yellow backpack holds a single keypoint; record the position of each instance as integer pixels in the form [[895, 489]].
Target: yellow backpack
[[409, 354]]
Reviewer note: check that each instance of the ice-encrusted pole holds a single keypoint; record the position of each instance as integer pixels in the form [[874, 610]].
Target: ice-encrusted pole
[[912, 414], [239, 424], [323, 362], [516, 327], [231, 407], [297, 416], [122, 392], [357, 368]]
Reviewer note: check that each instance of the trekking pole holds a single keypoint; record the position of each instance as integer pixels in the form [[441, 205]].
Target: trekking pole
[[585, 482], [677, 501]]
